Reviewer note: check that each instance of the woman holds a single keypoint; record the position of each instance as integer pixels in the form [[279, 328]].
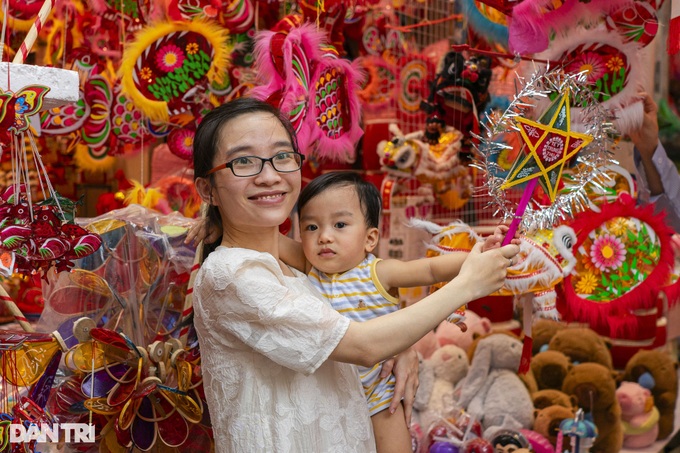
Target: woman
[[276, 356]]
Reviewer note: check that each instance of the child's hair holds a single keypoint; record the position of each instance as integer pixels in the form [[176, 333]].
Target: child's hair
[[206, 143], [369, 196]]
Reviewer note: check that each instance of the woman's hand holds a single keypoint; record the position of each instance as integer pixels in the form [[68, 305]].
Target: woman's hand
[[485, 273], [404, 366], [646, 137], [201, 231]]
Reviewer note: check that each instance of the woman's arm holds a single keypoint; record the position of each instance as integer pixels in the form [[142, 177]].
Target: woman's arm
[[367, 343]]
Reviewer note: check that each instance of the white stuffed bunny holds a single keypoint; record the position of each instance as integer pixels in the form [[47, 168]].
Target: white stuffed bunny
[[439, 374], [492, 392]]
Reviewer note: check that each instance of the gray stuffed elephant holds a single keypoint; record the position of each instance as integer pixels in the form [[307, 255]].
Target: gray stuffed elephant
[[492, 391]]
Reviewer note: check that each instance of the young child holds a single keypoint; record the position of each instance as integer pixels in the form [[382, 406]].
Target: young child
[[339, 216]]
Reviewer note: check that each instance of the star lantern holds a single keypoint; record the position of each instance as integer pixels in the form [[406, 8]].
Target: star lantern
[[551, 144]]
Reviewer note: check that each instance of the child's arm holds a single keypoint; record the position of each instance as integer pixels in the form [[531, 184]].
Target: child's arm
[[290, 252], [422, 272], [428, 271]]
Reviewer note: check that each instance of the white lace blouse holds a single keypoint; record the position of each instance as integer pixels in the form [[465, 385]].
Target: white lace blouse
[[264, 340]]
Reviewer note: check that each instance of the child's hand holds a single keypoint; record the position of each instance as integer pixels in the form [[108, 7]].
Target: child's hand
[[201, 231], [496, 239]]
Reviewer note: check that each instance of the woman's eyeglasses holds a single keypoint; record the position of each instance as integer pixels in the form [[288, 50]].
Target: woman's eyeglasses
[[244, 166]]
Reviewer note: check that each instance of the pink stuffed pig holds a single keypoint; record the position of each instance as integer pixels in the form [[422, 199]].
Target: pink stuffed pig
[[449, 333], [639, 416]]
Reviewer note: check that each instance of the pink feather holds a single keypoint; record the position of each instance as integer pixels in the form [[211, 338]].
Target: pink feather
[[339, 148], [292, 84], [531, 22]]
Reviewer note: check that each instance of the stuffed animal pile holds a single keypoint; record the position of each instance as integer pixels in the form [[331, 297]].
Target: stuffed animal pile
[[472, 375]]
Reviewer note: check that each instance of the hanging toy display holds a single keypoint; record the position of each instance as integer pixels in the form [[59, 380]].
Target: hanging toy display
[[534, 21], [487, 24], [35, 235], [550, 146], [460, 88], [128, 132], [414, 72], [541, 159], [377, 94], [120, 317], [635, 21], [21, 13], [611, 65], [306, 79], [624, 258], [87, 123], [430, 156], [329, 16], [170, 61], [237, 16]]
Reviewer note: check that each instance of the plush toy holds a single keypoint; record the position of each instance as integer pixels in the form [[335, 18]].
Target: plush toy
[[552, 397], [657, 371], [542, 331], [549, 369], [639, 416], [449, 333], [594, 387], [582, 344], [427, 345], [547, 421], [439, 374], [527, 378], [492, 391]]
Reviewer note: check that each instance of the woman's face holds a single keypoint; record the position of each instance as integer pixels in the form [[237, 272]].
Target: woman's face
[[262, 201]]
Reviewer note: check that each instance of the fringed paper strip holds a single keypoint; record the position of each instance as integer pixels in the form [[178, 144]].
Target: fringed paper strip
[[624, 258], [168, 60]]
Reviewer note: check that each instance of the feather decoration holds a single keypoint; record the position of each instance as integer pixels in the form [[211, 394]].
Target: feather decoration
[[533, 21], [613, 66], [87, 160], [305, 78], [492, 31]]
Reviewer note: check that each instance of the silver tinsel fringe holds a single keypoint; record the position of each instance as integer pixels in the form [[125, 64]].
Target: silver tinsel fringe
[[590, 163]]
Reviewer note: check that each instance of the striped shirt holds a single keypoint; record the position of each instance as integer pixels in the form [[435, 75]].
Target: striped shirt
[[358, 295]]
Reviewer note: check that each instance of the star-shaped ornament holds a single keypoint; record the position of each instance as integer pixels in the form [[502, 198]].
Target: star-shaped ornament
[[551, 145]]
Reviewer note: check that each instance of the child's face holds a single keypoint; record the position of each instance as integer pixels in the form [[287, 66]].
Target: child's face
[[333, 230]]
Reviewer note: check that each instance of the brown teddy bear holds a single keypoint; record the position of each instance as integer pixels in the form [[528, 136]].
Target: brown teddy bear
[[552, 397], [542, 331], [582, 344], [547, 421], [656, 370], [594, 386], [549, 369]]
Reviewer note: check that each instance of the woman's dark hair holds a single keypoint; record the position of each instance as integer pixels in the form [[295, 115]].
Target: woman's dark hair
[[369, 196], [206, 143]]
